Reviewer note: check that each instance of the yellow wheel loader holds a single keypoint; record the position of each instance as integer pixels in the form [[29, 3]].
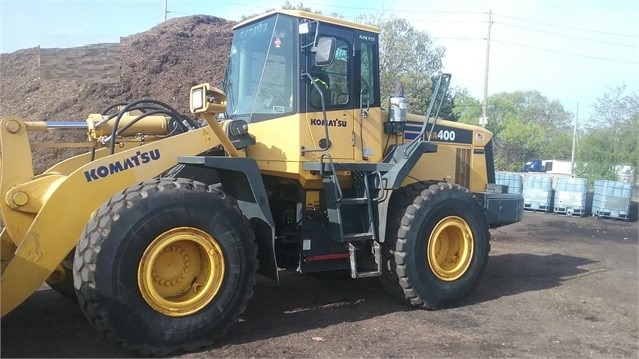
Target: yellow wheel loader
[[159, 229]]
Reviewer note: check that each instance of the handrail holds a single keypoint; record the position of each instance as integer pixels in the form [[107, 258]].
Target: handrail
[[340, 195], [420, 137], [441, 100], [363, 113], [325, 121]]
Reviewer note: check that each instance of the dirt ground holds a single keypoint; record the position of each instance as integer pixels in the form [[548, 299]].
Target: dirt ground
[[555, 286]]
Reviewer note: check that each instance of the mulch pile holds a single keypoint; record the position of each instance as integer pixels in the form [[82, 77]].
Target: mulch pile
[[161, 63]]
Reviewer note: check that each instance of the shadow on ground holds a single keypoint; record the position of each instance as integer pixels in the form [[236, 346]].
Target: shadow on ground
[[511, 274]]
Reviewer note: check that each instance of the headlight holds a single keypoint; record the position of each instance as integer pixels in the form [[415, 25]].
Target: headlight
[[206, 98], [197, 98]]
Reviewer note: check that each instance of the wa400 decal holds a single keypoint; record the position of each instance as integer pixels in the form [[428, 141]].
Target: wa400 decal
[[440, 133]]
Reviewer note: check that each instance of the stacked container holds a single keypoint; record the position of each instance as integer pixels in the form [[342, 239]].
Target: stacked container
[[570, 196], [512, 180], [611, 199], [537, 192]]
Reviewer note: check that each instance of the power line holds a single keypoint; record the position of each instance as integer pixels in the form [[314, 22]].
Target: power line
[[451, 21], [476, 21], [566, 36], [375, 9], [568, 27], [457, 38], [354, 18], [469, 21], [483, 21], [464, 21], [567, 53]]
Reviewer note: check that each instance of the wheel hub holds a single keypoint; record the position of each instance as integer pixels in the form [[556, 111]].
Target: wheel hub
[[173, 267], [181, 271], [450, 248]]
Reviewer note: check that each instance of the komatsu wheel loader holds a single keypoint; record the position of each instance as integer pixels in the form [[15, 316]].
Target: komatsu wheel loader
[[159, 230]]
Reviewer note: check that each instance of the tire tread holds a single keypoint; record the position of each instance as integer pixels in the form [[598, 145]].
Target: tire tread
[[89, 248]]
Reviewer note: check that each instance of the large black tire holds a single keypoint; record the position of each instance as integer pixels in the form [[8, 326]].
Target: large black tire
[[437, 244], [165, 267]]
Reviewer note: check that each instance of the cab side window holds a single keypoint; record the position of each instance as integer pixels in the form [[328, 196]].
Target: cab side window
[[338, 74], [333, 79], [367, 67]]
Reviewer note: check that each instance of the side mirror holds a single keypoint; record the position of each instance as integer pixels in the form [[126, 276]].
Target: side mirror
[[324, 51]]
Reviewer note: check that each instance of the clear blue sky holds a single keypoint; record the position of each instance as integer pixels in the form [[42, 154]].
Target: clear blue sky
[[570, 50]]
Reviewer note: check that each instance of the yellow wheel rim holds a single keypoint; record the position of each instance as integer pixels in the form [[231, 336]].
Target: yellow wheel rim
[[450, 248], [181, 271]]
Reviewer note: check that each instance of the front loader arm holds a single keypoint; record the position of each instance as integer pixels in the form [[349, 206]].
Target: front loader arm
[[45, 215]]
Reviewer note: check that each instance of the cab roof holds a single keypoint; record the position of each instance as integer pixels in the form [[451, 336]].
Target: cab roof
[[311, 16]]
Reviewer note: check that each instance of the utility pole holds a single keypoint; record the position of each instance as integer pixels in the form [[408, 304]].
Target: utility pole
[[484, 120], [574, 140], [165, 9]]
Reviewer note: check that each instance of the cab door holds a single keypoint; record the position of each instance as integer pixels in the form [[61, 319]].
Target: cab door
[[336, 82]]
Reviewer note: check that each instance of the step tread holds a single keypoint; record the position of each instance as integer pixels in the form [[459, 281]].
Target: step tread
[[358, 236], [354, 200]]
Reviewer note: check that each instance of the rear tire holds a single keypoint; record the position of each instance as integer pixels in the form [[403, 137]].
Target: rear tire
[[437, 252], [166, 266]]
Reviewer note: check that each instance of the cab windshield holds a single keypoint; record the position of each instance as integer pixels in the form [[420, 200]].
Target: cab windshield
[[260, 74]]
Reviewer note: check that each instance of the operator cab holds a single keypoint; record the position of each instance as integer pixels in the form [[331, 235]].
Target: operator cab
[[269, 56], [318, 69]]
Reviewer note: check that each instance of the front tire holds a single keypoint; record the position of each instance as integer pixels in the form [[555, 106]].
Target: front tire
[[439, 248], [165, 267]]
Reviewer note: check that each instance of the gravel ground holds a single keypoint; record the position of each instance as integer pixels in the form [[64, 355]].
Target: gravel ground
[[555, 286]]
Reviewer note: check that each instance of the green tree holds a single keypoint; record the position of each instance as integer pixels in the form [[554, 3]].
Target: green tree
[[467, 108], [446, 111], [615, 108], [559, 146], [544, 124], [518, 142], [525, 125], [612, 135], [408, 55], [528, 106], [594, 159]]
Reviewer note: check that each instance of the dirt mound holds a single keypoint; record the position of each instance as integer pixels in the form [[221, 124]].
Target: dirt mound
[[161, 63]]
